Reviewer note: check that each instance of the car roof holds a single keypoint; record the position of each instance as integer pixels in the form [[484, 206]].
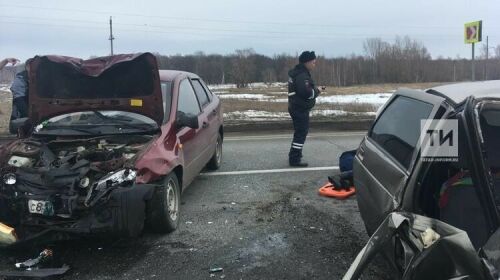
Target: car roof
[[171, 75], [460, 91]]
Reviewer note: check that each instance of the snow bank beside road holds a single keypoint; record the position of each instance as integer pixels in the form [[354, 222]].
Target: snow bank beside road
[[253, 115], [370, 98], [245, 96], [250, 86]]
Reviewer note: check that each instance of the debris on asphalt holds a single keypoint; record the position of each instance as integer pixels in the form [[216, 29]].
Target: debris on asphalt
[[36, 273], [216, 269], [32, 267], [42, 257], [7, 234]]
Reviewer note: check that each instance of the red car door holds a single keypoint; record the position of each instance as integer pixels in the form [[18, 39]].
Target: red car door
[[210, 116], [192, 139]]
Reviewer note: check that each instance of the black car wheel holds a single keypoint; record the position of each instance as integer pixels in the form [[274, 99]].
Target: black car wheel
[[163, 209], [216, 160]]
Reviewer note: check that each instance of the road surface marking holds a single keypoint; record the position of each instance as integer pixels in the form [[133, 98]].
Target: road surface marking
[[290, 136], [267, 171]]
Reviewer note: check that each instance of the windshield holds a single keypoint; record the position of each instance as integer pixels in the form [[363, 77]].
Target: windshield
[[96, 122]]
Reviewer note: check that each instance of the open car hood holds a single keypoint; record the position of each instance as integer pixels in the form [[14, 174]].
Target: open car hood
[[127, 82]]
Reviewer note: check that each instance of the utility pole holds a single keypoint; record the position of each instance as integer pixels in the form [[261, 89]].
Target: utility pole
[[111, 38], [486, 63], [454, 71]]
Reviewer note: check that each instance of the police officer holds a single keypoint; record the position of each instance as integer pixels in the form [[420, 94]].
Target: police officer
[[302, 94]]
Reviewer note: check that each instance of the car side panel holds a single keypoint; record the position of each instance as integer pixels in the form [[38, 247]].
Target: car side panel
[[376, 179], [213, 112], [191, 150]]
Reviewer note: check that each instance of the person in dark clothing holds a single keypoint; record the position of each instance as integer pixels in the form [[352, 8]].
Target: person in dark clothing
[[19, 91], [302, 93]]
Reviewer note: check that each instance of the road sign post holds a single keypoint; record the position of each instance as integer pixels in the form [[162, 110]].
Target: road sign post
[[472, 33], [473, 64]]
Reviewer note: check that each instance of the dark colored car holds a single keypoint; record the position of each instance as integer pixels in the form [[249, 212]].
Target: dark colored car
[[109, 146], [431, 214]]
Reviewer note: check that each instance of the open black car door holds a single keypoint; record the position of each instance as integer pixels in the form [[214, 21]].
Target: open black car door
[[384, 160]]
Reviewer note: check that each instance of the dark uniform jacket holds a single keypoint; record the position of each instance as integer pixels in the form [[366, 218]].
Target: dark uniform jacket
[[302, 91]]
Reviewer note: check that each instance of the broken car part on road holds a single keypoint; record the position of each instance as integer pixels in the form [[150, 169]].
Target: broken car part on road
[[450, 249]]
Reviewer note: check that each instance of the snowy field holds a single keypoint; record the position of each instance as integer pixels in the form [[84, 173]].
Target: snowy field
[[260, 95]]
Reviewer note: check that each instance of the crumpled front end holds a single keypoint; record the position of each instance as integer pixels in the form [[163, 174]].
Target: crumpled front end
[[66, 187], [428, 249]]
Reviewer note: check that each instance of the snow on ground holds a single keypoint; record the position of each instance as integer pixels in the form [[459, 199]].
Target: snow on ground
[[376, 99], [371, 98], [266, 116], [251, 86], [4, 87], [256, 115], [256, 96]]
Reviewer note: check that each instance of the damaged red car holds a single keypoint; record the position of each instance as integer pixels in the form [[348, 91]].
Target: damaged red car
[[109, 145]]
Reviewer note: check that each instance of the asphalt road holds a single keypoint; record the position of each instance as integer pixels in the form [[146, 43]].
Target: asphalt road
[[255, 225]]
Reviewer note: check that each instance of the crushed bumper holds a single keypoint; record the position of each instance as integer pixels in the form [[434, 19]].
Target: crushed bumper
[[122, 215]]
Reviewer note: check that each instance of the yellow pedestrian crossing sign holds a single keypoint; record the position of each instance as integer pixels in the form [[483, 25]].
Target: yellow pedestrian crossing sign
[[473, 32]]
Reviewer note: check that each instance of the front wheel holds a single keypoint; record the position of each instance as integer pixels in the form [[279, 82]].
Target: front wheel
[[216, 160], [163, 209]]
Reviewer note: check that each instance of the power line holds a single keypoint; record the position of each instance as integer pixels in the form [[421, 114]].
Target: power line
[[294, 33], [224, 20], [225, 31]]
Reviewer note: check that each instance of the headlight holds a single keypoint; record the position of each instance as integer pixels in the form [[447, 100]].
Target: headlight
[[20, 161], [9, 178]]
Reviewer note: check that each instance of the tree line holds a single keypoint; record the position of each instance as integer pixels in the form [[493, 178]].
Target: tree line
[[403, 61]]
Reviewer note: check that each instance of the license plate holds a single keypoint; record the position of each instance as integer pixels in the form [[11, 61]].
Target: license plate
[[42, 207]]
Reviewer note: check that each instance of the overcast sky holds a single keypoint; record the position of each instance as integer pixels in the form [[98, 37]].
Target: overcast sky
[[331, 28]]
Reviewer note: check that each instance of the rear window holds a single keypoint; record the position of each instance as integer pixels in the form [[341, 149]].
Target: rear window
[[397, 130], [124, 80]]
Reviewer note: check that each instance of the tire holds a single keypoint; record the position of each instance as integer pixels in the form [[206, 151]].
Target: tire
[[216, 160], [162, 214]]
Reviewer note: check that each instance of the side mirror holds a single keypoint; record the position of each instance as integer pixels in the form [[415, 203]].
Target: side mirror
[[20, 126], [188, 120]]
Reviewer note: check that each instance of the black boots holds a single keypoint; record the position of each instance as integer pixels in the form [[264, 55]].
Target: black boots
[[298, 163]]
